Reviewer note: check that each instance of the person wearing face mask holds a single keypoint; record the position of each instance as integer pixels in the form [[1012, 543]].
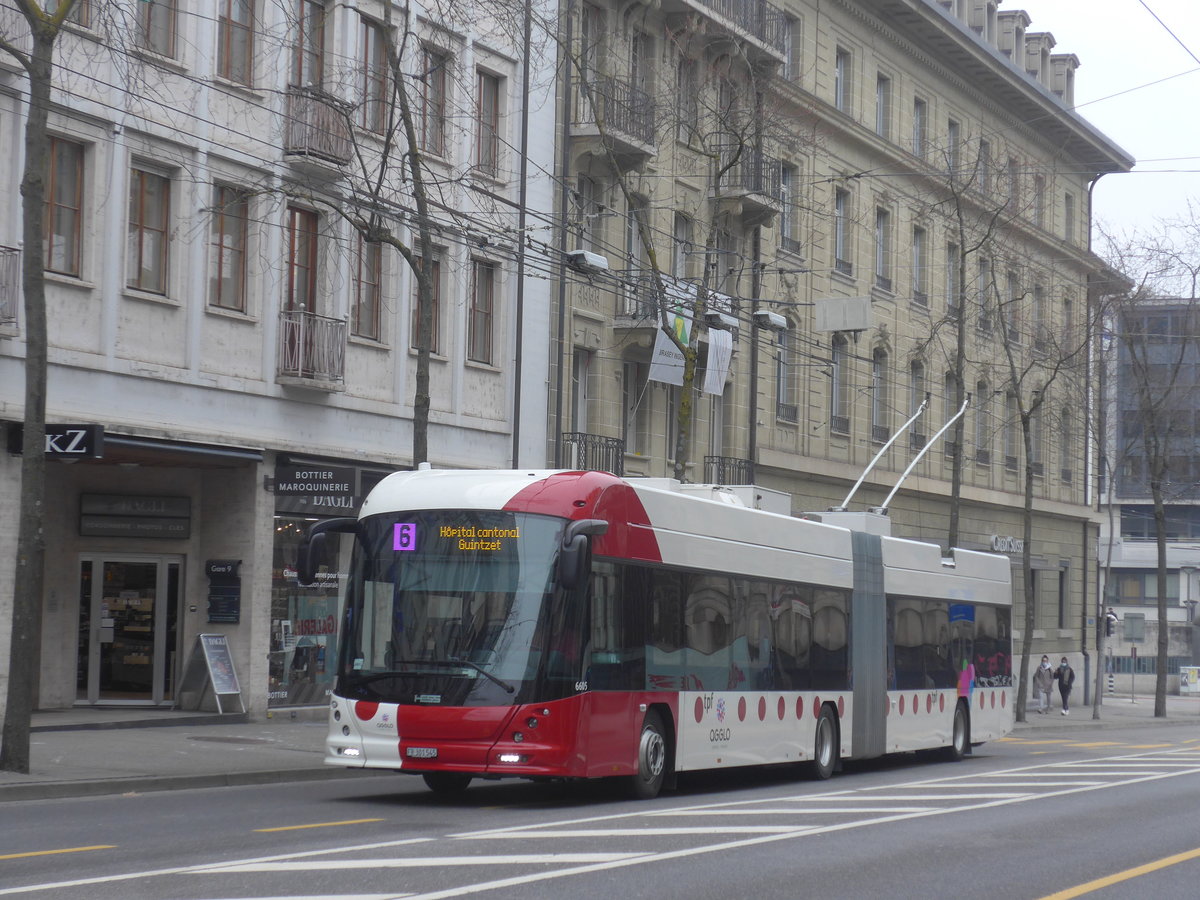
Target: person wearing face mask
[[1065, 676], [1042, 679]]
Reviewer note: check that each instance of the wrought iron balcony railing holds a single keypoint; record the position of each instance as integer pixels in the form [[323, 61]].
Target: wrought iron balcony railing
[[593, 452], [728, 470], [311, 347], [755, 173], [316, 127], [759, 19], [623, 110]]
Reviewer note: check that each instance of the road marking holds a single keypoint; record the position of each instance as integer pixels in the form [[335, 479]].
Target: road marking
[[1127, 875], [63, 850], [1147, 746], [793, 811], [1097, 744], [645, 832], [318, 825], [422, 862]]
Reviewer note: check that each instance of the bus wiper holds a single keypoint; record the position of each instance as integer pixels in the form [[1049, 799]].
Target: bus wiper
[[484, 672]]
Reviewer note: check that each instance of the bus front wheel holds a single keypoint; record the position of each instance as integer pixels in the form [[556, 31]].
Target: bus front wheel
[[651, 759], [446, 783], [825, 751]]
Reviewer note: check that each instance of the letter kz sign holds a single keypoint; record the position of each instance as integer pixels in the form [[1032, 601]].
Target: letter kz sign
[[64, 441]]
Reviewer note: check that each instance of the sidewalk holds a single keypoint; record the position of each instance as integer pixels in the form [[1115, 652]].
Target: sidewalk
[[83, 752]]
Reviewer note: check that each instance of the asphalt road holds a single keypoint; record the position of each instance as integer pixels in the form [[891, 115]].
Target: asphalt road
[[1027, 817]]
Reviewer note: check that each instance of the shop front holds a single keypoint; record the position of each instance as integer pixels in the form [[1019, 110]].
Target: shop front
[[305, 620]]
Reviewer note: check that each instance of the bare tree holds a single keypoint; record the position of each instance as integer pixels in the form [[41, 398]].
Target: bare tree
[[45, 23]]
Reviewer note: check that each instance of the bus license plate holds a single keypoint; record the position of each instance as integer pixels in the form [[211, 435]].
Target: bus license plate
[[421, 752]]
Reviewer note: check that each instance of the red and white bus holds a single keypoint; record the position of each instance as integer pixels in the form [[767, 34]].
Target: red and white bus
[[554, 624]]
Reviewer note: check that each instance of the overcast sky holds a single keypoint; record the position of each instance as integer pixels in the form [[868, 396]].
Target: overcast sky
[[1125, 55]]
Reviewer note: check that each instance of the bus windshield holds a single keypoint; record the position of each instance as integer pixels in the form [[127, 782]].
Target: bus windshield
[[451, 607]]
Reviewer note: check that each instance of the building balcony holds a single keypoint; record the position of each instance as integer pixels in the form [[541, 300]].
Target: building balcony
[[593, 452], [752, 187], [728, 470], [312, 350], [611, 115], [763, 26], [10, 284], [317, 131]]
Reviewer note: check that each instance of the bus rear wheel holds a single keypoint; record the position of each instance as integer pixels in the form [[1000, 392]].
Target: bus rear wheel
[[446, 783], [651, 759], [959, 735], [825, 750]]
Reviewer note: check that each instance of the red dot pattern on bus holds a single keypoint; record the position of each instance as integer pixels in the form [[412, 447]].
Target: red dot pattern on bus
[[366, 709], [741, 709], [762, 709], [699, 710]]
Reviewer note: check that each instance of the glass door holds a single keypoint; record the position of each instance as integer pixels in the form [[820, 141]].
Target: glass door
[[128, 609]]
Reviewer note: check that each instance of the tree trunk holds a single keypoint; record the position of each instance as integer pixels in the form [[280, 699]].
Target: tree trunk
[[27, 592]]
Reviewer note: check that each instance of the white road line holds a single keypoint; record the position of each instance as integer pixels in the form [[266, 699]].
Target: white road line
[[795, 811], [422, 862], [989, 795], [1036, 784], [643, 832]]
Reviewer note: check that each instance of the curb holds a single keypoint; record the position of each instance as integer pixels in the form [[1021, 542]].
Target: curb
[[143, 784]]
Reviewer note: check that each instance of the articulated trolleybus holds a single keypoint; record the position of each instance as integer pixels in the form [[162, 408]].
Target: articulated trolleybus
[[569, 625]]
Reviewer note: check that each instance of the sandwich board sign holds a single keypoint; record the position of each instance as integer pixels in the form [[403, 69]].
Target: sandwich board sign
[[210, 669]]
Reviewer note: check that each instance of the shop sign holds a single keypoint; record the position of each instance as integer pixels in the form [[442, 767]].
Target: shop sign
[[1006, 543], [320, 485], [63, 441], [118, 515]]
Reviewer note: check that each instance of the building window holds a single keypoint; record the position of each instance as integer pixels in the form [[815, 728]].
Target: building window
[[368, 277], [1037, 436], [950, 407], [985, 166], [841, 79], [156, 26], [639, 296], [635, 403], [64, 207], [954, 148], [983, 294], [786, 408], [80, 14], [953, 279], [920, 128], [1013, 184], [435, 294], [793, 34], [235, 40], [839, 387], [149, 215], [588, 211], [303, 225], [482, 312], [581, 364], [487, 124], [983, 423], [916, 396], [227, 248], [841, 232], [434, 82], [681, 239], [1069, 218], [591, 40], [641, 62], [1039, 201], [1066, 431], [883, 249], [789, 184], [1012, 431], [1013, 318], [881, 401], [308, 50], [687, 96], [920, 266], [883, 106], [373, 113]]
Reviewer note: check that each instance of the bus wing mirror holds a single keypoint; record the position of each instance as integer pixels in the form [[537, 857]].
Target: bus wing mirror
[[572, 562], [312, 549]]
